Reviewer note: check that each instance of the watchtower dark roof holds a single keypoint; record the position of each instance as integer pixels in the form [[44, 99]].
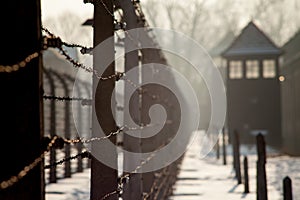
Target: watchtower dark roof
[[252, 41]]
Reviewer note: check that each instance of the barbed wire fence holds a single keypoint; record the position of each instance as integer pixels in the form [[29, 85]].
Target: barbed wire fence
[[57, 112]]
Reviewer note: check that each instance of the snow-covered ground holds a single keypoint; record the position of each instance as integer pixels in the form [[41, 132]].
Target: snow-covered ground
[[208, 178], [204, 178], [77, 187]]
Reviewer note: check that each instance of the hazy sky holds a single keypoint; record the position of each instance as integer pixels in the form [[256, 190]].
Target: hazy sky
[[56, 7], [242, 10]]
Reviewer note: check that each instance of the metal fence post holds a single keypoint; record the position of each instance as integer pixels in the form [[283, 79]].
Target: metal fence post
[[21, 115], [67, 124], [87, 89], [132, 190], [246, 176], [287, 189], [52, 170], [237, 157], [261, 181], [104, 179], [218, 149], [79, 115], [224, 147]]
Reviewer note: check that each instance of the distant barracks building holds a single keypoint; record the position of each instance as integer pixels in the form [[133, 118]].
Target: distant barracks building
[[290, 70]]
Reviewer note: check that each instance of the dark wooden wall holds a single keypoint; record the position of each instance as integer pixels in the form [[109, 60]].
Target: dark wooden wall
[[254, 104]]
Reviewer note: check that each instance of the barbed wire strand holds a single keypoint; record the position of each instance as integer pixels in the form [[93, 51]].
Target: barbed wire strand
[[29, 58], [48, 32], [65, 98], [118, 75], [84, 49], [77, 64], [106, 8], [135, 42], [84, 154], [160, 186], [14, 179], [155, 183], [23, 63], [19, 65], [123, 179], [81, 140], [113, 133], [61, 141]]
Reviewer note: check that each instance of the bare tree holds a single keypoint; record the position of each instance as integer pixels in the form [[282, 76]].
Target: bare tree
[[274, 25], [280, 19], [192, 19], [188, 18], [208, 22]]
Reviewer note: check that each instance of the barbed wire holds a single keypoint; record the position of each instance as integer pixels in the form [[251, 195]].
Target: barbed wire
[[117, 191], [126, 177], [118, 25], [165, 174], [155, 186], [73, 61], [14, 179], [106, 8], [84, 101], [138, 8], [47, 42], [48, 32], [94, 139], [84, 154], [161, 185], [82, 140], [83, 50], [61, 141], [76, 64], [57, 141], [19, 65]]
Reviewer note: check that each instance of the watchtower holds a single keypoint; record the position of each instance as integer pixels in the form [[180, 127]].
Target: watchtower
[[253, 89]]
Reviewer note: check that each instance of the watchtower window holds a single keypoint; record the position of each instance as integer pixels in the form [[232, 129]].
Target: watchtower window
[[252, 69], [235, 70], [269, 70]]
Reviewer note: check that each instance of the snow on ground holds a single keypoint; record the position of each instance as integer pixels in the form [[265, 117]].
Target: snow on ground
[[208, 178], [205, 178], [75, 188]]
